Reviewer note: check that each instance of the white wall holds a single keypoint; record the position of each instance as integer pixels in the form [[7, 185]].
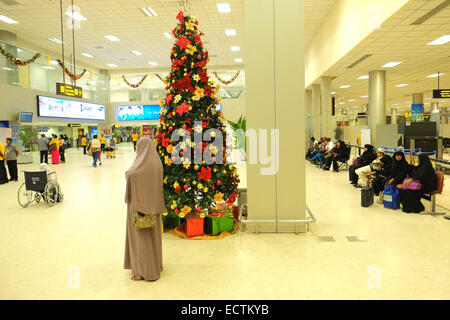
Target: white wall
[[232, 109]]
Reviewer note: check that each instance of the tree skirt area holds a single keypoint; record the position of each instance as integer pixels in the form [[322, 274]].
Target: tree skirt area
[[179, 232]]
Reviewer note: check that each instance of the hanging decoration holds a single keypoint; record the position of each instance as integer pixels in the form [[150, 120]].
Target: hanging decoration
[[227, 82], [134, 85], [69, 73], [16, 61], [162, 79]]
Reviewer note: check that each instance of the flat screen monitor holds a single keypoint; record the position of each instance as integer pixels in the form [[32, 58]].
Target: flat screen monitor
[[26, 117], [69, 109], [136, 113]]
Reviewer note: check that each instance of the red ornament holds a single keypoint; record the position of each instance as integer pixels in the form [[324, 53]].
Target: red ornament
[[177, 211], [219, 182], [199, 209], [181, 153], [186, 187], [214, 188], [170, 128]]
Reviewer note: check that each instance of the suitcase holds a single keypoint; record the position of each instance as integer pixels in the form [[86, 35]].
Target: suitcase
[[367, 197]]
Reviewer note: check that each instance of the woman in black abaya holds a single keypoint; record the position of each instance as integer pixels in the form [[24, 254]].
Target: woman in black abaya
[[426, 175]]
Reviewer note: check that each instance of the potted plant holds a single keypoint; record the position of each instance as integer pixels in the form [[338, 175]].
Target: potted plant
[[239, 132]]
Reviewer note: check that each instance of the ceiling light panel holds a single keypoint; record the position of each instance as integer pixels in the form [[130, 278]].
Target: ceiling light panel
[[76, 16], [167, 35], [57, 41], [7, 20], [440, 41], [223, 8], [136, 53], [230, 32], [87, 55], [112, 38], [391, 64], [235, 48]]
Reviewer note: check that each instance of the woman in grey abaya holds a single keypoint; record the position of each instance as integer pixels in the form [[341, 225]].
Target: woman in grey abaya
[[144, 193]]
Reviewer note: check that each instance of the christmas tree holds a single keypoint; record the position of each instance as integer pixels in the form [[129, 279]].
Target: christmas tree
[[191, 139]]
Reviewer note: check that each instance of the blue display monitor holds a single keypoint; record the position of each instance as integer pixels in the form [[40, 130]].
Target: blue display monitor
[[136, 113], [69, 109], [26, 117]]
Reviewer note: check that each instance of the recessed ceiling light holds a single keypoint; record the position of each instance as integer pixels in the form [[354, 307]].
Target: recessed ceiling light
[[6, 68], [440, 41], [351, 100], [334, 92], [48, 68], [57, 41], [238, 60], [364, 77], [341, 102], [137, 52], [53, 62], [114, 89], [7, 20], [230, 32], [150, 12], [112, 38], [391, 64], [87, 55], [235, 48], [19, 50], [345, 86], [223, 7], [168, 36], [401, 85], [76, 16], [395, 104], [364, 96], [152, 63], [428, 98], [112, 65], [436, 75]]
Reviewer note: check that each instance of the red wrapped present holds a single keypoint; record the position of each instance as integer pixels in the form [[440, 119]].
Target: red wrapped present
[[194, 226]]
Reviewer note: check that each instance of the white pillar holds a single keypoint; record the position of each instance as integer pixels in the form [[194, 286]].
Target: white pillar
[[317, 111], [275, 100], [377, 101], [325, 86]]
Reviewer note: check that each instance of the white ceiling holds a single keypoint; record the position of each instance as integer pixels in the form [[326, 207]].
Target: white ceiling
[[398, 40], [40, 20]]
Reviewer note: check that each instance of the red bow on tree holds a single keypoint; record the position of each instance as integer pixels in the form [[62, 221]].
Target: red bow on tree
[[169, 98], [183, 42], [180, 17], [183, 108], [205, 174]]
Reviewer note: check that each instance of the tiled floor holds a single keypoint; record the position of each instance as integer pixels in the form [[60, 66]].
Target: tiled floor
[[41, 249]]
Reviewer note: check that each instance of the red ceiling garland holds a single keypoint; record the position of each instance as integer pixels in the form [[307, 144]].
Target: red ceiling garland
[[16, 61], [69, 73], [227, 82]]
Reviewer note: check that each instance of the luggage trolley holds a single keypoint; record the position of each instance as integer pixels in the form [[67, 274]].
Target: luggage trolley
[[39, 185]]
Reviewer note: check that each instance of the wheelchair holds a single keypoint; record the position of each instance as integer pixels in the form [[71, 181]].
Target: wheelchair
[[39, 185]]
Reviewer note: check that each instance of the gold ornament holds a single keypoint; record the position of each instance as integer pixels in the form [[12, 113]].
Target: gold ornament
[[200, 186], [206, 189]]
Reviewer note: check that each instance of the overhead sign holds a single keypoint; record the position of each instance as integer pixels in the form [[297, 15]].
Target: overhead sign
[[68, 90], [441, 94], [74, 125], [69, 109]]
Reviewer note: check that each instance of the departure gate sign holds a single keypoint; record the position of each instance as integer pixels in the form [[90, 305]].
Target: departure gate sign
[[441, 94], [68, 90]]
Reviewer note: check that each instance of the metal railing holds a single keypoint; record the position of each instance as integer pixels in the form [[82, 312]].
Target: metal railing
[[258, 222]]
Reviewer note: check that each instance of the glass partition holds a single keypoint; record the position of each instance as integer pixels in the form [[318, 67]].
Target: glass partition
[[45, 72]]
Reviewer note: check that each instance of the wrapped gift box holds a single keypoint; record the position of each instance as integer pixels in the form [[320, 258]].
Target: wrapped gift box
[[226, 222], [211, 225], [171, 221], [194, 226]]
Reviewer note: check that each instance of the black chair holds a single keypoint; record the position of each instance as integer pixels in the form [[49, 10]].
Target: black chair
[[343, 163]]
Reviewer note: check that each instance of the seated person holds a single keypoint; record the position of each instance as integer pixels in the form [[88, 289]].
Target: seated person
[[338, 153], [314, 144], [365, 159], [376, 166], [318, 157], [426, 175]]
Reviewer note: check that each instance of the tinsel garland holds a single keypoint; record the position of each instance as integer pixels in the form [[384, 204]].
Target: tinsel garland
[[70, 74], [16, 61], [162, 79], [134, 85], [227, 82]]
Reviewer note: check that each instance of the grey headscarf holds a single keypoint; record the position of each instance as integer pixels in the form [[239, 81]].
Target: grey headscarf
[[145, 180]]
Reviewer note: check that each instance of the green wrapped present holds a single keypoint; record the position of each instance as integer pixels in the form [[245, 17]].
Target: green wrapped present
[[226, 222], [211, 225], [171, 221]]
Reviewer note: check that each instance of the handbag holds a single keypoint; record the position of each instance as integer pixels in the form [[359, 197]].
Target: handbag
[[53, 147], [143, 221], [414, 185]]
